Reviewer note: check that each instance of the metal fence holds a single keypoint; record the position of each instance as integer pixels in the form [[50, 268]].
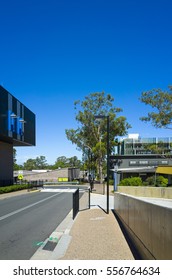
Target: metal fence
[[35, 184]]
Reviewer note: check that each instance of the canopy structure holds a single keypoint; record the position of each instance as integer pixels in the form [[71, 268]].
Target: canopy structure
[[164, 170]]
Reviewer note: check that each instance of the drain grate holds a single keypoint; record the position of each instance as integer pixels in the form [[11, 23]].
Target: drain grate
[[50, 246]]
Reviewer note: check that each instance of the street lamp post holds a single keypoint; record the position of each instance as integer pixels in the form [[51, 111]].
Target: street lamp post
[[108, 161]]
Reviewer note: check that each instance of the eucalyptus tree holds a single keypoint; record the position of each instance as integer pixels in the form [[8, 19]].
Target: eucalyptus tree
[[91, 133], [38, 163], [62, 162], [161, 103]]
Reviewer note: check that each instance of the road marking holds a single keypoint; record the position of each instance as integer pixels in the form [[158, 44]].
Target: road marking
[[59, 190], [27, 207]]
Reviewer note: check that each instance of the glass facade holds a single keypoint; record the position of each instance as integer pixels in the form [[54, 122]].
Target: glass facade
[[142, 146], [17, 122]]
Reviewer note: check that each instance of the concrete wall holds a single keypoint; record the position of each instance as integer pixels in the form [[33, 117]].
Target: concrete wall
[[6, 163], [147, 191], [149, 226]]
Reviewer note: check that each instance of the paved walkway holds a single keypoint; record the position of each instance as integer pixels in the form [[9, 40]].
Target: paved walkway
[[96, 235]]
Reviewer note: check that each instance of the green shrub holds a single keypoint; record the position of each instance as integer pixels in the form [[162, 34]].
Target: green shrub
[[111, 182], [132, 181], [13, 188], [150, 181], [160, 181]]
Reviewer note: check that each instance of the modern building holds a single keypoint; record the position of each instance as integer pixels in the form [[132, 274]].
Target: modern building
[[138, 156], [135, 145], [17, 128]]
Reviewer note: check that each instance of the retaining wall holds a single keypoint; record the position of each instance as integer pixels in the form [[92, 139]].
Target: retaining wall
[[160, 192], [148, 225]]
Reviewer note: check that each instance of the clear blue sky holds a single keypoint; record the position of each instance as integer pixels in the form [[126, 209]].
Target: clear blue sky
[[53, 52]]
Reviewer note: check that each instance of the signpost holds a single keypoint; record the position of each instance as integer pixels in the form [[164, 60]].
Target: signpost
[[20, 175]]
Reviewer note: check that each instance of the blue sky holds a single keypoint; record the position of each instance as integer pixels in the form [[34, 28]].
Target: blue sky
[[54, 52]]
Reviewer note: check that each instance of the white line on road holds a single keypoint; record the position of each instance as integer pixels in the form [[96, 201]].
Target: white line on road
[[29, 206], [59, 190]]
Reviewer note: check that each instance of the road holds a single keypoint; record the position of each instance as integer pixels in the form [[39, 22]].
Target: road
[[28, 219]]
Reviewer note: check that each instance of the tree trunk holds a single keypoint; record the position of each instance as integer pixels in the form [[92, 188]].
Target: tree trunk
[[101, 171]]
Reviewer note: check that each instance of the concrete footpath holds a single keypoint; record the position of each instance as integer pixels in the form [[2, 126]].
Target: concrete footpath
[[96, 235]]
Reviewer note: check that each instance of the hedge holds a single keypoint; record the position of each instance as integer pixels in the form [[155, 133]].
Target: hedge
[[158, 181], [13, 188], [132, 181]]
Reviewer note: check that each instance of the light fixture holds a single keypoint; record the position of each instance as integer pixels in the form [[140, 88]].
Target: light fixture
[[13, 116], [22, 120]]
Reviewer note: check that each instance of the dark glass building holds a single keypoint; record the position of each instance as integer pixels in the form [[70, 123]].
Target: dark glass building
[[17, 128]]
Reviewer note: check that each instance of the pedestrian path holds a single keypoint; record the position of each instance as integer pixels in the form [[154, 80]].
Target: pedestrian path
[[93, 235], [100, 201], [96, 235]]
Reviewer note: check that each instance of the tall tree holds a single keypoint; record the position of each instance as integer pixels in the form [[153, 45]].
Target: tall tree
[[161, 103], [41, 162], [75, 162], [92, 132], [38, 163], [61, 162], [15, 165], [30, 164]]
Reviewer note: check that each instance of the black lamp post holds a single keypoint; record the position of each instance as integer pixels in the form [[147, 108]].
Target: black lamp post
[[108, 162]]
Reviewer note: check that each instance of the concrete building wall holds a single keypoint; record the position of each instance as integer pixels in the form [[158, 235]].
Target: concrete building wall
[[6, 163], [148, 225]]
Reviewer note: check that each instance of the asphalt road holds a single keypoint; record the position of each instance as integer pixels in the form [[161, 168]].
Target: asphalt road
[[26, 220]]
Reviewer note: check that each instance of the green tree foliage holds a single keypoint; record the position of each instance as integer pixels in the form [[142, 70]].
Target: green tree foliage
[[30, 164], [15, 165], [161, 103], [41, 162], [158, 181], [161, 181], [92, 133], [38, 163], [62, 162], [75, 162]]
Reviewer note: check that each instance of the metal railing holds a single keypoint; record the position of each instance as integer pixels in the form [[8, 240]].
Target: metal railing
[[35, 184], [75, 203], [81, 200]]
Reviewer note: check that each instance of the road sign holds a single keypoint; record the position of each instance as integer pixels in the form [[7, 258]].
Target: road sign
[[20, 176]]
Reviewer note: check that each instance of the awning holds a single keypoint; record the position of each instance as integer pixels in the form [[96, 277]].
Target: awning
[[164, 170]]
